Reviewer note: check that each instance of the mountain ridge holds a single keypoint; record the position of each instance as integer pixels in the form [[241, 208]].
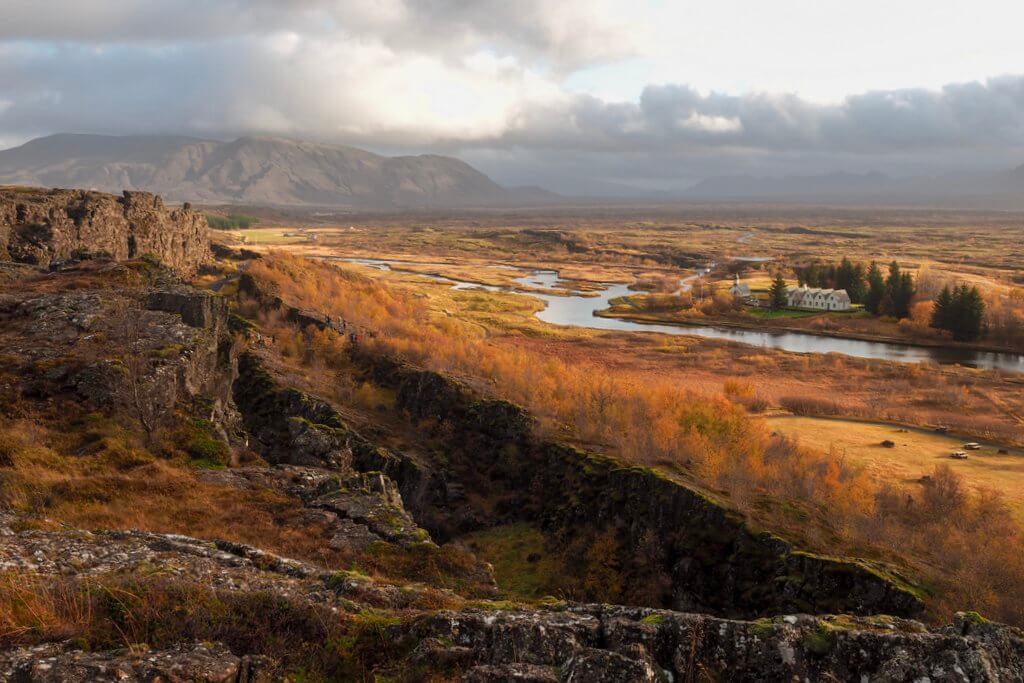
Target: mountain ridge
[[254, 170]]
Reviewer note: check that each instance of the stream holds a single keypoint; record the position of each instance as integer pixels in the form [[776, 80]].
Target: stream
[[579, 310]]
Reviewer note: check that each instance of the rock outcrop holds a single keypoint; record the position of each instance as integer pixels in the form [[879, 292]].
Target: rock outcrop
[[556, 642], [124, 337], [47, 226], [604, 643], [197, 663]]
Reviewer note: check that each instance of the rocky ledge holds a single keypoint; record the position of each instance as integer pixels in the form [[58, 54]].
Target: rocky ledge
[[42, 227], [201, 662], [491, 642]]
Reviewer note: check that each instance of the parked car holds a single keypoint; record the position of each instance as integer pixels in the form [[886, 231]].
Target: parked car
[[958, 455], [971, 446]]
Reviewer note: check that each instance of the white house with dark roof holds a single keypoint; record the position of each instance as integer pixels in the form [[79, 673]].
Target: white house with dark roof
[[817, 299]]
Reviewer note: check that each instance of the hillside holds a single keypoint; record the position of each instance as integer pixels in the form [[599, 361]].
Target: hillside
[[254, 170], [240, 485]]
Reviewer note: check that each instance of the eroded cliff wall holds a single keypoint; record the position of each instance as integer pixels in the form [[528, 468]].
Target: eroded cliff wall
[[41, 227]]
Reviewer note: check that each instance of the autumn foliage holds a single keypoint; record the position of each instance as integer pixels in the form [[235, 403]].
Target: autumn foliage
[[966, 546]]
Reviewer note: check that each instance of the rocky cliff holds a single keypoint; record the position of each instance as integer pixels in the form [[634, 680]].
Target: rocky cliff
[[488, 642], [46, 226]]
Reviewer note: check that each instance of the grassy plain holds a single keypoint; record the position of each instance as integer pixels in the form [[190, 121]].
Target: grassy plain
[[916, 453]]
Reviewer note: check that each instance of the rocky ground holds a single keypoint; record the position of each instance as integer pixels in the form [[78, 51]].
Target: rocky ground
[[379, 592], [555, 642]]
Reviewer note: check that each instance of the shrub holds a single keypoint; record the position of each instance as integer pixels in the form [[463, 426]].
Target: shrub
[[204, 446], [810, 405]]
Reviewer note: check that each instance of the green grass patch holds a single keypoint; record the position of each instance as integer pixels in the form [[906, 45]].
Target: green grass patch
[[768, 314], [522, 564], [233, 221]]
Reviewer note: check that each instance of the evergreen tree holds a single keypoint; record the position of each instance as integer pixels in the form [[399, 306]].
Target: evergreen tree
[[943, 309], [777, 293], [899, 292], [905, 295], [876, 290], [970, 315], [857, 288], [960, 311]]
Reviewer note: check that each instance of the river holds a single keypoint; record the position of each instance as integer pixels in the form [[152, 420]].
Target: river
[[579, 311]]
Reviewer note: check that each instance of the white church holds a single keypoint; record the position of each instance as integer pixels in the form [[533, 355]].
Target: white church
[[816, 299]]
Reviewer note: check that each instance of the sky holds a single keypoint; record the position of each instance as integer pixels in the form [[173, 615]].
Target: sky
[[560, 93]]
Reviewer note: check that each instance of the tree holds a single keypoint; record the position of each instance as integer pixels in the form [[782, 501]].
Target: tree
[[942, 310], [899, 292], [974, 317], [960, 311], [875, 290], [857, 287], [777, 293]]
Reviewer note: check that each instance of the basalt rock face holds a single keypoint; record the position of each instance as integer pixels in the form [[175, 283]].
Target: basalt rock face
[[558, 642], [288, 426], [605, 643], [129, 338], [708, 557], [46, 226], [200, 663]]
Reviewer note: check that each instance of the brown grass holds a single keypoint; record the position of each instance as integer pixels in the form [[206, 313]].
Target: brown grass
[[306, 640]]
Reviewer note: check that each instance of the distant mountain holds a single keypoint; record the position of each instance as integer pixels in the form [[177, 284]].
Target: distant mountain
[[254, 170], [1002, 190]]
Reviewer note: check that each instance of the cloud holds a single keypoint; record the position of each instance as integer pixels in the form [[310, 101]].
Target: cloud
[[483, 79], [563, 34]]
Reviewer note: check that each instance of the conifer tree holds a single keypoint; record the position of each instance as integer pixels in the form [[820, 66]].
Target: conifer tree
[[777, 293], [876, 290], [942, 310]]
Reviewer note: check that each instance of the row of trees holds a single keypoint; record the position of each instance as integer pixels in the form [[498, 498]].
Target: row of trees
[[882, 294], [961, 311], [847, 275], [890, 295]]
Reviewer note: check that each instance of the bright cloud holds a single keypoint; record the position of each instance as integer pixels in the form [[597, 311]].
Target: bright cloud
[[650, 90]]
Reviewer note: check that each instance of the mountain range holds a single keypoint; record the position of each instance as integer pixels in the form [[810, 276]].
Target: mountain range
[[254, 170], [281, 172]]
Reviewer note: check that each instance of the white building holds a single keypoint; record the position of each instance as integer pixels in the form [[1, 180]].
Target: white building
[[739, 289], [816, 299]]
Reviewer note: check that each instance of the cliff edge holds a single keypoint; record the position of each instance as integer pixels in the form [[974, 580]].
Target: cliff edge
[[43, 227]]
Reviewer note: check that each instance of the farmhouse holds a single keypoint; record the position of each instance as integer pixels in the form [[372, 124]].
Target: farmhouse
[[816, 299]]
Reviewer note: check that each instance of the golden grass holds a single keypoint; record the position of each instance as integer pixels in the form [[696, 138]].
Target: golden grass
[[915, 454]]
